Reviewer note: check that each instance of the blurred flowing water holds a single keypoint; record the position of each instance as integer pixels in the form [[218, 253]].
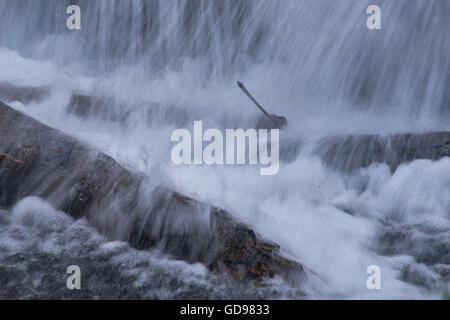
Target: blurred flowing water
[[154, 66]]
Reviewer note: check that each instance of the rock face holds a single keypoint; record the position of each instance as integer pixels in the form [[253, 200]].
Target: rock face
[[124, 205]]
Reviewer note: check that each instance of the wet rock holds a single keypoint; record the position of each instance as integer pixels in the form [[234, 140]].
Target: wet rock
[[353, 152], [271, 122], [84, 182], [245, 256], [23, 94], [345, 153], [109, 109], [419, 276]]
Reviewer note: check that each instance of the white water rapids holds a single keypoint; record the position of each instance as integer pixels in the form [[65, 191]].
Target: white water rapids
[[314, 62]]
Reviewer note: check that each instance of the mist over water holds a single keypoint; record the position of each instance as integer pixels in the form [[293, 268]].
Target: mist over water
[[159, 65]]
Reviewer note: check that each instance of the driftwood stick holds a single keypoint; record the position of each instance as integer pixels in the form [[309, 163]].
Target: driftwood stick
[[272, 121], [243, 88]]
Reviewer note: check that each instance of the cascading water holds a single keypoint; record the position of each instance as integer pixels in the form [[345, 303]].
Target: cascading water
[[159, 65]]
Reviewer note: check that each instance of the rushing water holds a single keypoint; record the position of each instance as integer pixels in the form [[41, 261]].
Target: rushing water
[[159, 65]]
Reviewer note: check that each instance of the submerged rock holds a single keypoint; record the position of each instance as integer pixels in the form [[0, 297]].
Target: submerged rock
[[84, 182], [23, 94], [109, 109], [353, 152], [271, 122]]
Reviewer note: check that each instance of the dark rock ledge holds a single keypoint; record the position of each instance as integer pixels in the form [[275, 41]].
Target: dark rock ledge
[[346, 153], [350, 153], [23, 94], [83, 182]]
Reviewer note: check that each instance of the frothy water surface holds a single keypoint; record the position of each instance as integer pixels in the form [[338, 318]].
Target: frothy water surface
[[159, 65]]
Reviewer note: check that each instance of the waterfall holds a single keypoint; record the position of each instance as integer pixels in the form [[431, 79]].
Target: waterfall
[[307, 48], [138, 69]]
